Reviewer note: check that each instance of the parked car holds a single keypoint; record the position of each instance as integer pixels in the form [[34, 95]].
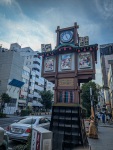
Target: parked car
[[20, 131], [3, 139]]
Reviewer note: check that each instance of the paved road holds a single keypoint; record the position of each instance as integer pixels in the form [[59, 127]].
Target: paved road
[[105, 140], [4, 122]]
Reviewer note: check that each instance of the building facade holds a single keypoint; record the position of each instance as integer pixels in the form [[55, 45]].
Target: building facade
[[106, 54], [34, 63], [22, 64], [110, 84], [11, 67]]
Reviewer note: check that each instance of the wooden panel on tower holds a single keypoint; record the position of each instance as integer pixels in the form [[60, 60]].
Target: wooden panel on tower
[[66, 62], [84, 61], [49, 64], [66, 82]]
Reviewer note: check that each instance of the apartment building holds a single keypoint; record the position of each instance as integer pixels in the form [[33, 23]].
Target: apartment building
[[110, 84], [34, 62], [101, 101], [24, 65], [11, 68], [106, 54]]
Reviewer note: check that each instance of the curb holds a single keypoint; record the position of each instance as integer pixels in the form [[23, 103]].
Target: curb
[[108, 126]]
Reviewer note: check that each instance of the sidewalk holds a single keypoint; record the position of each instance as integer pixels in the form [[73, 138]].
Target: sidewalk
[[105, 138], [110, 125]]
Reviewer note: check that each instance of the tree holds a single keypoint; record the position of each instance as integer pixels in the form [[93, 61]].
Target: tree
[[46, 99], [5, 98], [85, 95]]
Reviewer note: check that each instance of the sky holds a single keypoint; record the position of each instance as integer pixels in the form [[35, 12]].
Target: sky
[[33, 22]]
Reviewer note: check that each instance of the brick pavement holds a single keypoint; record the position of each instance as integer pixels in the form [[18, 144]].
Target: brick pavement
[[105, 140]]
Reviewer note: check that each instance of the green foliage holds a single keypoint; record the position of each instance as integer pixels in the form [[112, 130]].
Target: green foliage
[[20, 147], [25, 112], [2, 115], [85, 95], [26, 146], [29, 141], [5, 98], [46, 99]]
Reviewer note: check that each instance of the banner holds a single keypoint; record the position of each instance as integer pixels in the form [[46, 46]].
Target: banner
[[46, 47], [83, 41]]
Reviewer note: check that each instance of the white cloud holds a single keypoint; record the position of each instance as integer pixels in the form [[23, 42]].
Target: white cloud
[[105, 7], [25, 31], [6, 2], [4, 44]]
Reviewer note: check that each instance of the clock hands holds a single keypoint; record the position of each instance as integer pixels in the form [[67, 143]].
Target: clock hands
[[66, 35]]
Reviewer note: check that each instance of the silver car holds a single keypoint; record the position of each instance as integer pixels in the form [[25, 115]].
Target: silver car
[[20, 131]]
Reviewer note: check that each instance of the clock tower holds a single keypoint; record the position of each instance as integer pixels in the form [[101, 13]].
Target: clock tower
[[67, 35], [67, 66]]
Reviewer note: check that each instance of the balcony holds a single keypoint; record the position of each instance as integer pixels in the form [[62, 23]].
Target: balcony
[[24, 93], [39, 87], [38, 73], [30, 95], [31, 87], [35, 65], [31, 80], [36, 95], [33, 73], [37, 59]]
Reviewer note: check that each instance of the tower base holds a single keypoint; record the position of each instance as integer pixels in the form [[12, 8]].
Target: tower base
[[68, 128]]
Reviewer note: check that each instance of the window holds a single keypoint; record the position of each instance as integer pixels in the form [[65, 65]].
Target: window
[[28, 121], [25, 73], [25, 81], [37, 76], [28, 63], [36, 62], [32, 84], [35, 69], [25, 89], [43, 120], [32, 77], [31, 91], [36, 83], [66, 96]]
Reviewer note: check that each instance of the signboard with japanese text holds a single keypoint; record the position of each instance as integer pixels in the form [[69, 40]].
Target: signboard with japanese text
[[46, 47], [83, 41], [66, 82]]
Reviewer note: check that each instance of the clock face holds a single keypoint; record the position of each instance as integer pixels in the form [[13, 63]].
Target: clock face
[[66, 36]]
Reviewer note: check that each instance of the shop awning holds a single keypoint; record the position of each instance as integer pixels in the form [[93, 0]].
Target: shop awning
[[16, 83]]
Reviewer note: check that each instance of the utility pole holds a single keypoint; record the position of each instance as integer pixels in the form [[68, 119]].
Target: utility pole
[[45, 84], [92, 106]]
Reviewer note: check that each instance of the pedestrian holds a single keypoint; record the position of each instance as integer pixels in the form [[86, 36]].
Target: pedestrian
[[99, 117], [103, 118], [110, 116], [107, 118]]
